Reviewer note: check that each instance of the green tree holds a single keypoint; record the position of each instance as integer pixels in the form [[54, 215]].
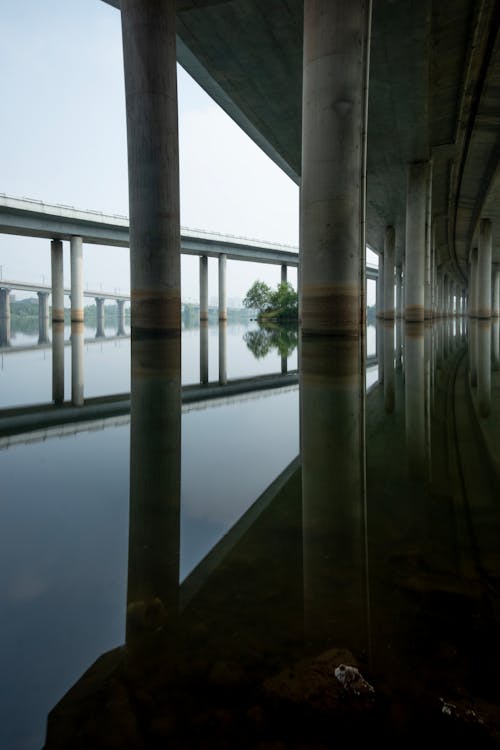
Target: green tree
[[284, 301], [258, 297]]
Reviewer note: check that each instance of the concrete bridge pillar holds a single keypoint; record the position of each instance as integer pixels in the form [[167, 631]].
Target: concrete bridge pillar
[[440, 294], [57, 362], [473, 282], [389, 246], [203, 287], [76, 256], [4, 317], [495, 344], [222, 288], [203, 351], [484, 270], [334, 110], [56, 258], [120, 303], [399, 281], [222, 352], [99, 302], [496, 291], [77, 397], [416, 240], [284, 269], [43, 317]]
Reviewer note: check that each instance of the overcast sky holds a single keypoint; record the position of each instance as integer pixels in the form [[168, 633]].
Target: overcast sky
[[62, 115]]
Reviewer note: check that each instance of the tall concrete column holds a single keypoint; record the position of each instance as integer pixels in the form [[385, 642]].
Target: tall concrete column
[[440, 294], [484, 270], [496, 291], [222, 288], [120, 303], [203, 287], [99, 302], [56, 261], [333, 187], [43, 317], [484, 367], [149, 47], [379, 347], [399, 290], [57, 362], [77, 398], [76, 256], [203, 351], [473, 282], [416, 212], [4, 317], [389, 246], [428, 247], [495, 344], [284, 268], [222, 352], [379, 307]]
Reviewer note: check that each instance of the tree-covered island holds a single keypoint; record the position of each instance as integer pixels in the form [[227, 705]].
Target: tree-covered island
[[273, 306]]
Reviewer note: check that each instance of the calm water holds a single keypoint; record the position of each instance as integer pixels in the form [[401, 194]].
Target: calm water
[[239, 596]]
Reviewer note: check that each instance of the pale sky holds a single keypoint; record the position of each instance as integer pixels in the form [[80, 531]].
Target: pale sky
[[62, 115]]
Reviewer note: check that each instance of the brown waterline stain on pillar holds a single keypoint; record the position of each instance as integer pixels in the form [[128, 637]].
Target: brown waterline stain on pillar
[[388, 315], [57, 315], [330, 309], [77, 326], [414, 329], [483, 312], [203, 316], [77, 316], [153, 309], [414, 313], [331, 360], [58, 326], [223, 317]]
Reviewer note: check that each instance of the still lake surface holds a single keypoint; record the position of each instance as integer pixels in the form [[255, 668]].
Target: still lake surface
[[390, 559]]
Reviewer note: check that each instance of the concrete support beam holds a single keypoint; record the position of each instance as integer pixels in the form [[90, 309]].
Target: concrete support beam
[[76, 257], [379, 307], [99, 302], [56, 262], [203, 287], [43, 317], [416, 240], [333, 187], [389, 246], [484, 270], [496, 291], [120, 303], [284, 269], [222, 288], [148, 31]]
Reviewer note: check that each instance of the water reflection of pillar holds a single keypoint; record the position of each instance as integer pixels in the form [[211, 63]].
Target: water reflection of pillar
[[77, 364], [120, 303], [4, 317], [473, 352], [284, 364], [389, 367], [43, 317], [496, 291], [415, 399], [495, 344], [484, 367], [379, 347], [99, 301], [222, 352], [428, 393], [399, 300], [57, 361], [204, 351], [155, 465], [333, 489], [473, 283], [399, 343]]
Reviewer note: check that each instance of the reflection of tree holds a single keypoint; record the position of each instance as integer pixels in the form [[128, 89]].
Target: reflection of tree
[[261, 341]]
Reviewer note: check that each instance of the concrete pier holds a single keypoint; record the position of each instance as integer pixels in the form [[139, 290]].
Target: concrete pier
[[99, 302], [416, 211], [399, 290], [333, 186], [4, 317], [56, 261], [76, 257], [380, 287], [473, 282], [43, 317], [483, 309], [203, 351], [57, 362], [120, 303], [389, 245], [203, 287], [222, 288], [284, 269]]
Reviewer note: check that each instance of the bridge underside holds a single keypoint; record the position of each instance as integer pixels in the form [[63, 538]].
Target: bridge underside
[[434, 75]]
